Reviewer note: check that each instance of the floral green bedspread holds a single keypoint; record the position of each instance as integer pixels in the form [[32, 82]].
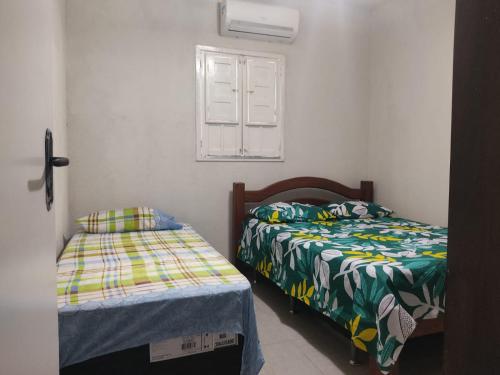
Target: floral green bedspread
[[373, 276]]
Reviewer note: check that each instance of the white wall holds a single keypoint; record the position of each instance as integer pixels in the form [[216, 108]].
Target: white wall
[[131, 106], [411, 58]]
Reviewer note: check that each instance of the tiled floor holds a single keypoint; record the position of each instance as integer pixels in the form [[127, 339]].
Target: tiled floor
[[306, 344]]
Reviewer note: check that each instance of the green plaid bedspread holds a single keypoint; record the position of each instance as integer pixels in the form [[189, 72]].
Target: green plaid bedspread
[[97, 267], [374, 277]]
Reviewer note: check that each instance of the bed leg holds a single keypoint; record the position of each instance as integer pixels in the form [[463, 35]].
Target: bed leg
[[374, 370], [254, 276], [293, 305], [355, 356]]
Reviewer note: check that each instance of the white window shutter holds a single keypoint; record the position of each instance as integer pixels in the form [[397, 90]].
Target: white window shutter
[[262, 128], [239, 100], [262, 91], [262, 141], [223, 140], [222, 89], [222, 127]]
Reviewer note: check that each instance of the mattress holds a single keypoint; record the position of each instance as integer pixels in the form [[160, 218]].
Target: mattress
[[121, 290], [375, 277]]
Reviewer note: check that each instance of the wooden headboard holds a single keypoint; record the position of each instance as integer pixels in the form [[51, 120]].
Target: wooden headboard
[[241, 197]]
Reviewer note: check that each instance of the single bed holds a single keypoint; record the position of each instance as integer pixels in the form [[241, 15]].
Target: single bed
[[123, 290], [382, 279]]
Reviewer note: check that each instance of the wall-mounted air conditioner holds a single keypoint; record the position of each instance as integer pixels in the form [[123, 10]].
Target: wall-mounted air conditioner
[[249, 20]]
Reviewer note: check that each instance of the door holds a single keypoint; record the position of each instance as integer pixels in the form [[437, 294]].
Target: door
[[472, 334], [28, 313]]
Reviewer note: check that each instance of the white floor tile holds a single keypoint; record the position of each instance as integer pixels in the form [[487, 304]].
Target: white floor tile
[[287, 358]]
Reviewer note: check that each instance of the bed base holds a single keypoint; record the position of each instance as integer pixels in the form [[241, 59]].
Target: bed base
[[134, 361], [242, 197], [293, 306], [356, 356]]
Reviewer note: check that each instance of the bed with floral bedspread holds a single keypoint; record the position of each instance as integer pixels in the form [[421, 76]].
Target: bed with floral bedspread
[[375, 277]]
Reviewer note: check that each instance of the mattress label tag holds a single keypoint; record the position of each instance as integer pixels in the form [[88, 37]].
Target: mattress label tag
[[223, 339], [190, 345]]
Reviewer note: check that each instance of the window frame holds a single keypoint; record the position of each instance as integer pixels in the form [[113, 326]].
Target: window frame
[[200, 103]]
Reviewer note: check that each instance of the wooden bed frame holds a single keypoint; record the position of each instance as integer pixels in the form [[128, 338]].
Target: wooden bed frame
[[242, 197]]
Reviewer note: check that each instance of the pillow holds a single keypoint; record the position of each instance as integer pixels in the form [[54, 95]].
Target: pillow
[[275, 213], [290, 212], [309, 212], [127, 220], [358, 210]]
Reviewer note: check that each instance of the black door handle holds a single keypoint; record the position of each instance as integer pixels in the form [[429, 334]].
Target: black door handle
[[58, 161], [50, 162]]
